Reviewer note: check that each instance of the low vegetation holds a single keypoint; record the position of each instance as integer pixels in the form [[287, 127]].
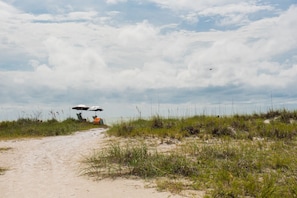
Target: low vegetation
[[27, 127], [233, 156], [282, 126]]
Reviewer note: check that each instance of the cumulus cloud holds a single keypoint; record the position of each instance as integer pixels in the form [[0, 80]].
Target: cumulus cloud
[[140, 46]]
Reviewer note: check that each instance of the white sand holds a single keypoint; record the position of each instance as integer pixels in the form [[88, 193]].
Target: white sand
[[49, 167]]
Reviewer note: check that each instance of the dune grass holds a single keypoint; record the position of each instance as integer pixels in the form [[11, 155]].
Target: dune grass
[[27, 127], [236, 127], [235, 156]]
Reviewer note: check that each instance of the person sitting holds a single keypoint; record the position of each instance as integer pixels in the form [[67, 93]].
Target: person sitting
[[98, 120]]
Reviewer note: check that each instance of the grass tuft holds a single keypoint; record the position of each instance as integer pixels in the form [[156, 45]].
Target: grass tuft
[[138, 161]]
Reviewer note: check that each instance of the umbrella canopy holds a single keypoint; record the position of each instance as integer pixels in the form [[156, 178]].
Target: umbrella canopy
[[81, 107], [95, 108]]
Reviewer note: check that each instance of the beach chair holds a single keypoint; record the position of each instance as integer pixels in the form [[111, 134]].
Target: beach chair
[[80, 118]]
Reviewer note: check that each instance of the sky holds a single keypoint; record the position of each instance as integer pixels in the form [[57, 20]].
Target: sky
[[143, 58]]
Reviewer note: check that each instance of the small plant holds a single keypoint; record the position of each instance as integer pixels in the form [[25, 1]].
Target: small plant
[[191, 130], [157, 122], [5, 149], [173, 186], [2, 170]]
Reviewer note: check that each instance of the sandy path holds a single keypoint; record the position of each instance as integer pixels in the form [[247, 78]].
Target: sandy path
[[48, 167]]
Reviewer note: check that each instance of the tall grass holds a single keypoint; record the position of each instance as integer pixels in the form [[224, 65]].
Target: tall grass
[[236, 156]]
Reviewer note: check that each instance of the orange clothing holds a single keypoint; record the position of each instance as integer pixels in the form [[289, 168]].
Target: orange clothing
[[97, 120]]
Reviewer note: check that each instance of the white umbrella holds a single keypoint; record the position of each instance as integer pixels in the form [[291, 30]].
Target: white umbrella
[[95, 108], [81, 107]]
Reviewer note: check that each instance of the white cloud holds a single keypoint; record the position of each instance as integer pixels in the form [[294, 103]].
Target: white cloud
[[236, 7], [191, 17], [233, 19], [213, 7], [128, 52], [7, 10], [140, 33], [233, 12], [115, 1]]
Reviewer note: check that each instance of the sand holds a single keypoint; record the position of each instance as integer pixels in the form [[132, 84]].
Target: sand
[[50, 167]]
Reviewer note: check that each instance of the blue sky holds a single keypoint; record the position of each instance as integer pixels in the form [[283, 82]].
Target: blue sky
[[167, 57]]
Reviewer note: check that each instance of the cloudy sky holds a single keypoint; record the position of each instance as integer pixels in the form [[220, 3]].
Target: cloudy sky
[[147, 56]]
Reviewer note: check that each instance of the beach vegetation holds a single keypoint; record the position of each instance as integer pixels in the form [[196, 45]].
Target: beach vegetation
[[28, 127], [226, 156]]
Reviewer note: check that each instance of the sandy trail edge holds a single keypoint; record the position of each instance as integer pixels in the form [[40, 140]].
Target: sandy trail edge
[[48, 167]]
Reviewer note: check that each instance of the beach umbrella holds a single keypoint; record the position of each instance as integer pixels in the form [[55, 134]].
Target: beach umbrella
[[81, 107], [95, 108]]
